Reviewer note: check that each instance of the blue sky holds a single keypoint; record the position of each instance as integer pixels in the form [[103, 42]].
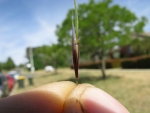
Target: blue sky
[[32, 23]]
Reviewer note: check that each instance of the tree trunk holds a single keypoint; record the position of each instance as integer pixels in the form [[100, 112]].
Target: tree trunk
[[55, 65], [103, 66]]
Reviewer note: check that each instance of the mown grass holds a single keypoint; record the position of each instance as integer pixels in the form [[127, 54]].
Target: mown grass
[[130, 87]]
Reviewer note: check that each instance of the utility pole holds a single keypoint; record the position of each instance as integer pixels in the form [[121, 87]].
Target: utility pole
[[31, 60], [0, 67], [0, 64]]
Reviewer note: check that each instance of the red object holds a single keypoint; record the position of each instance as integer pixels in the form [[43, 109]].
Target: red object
[[10, 81]]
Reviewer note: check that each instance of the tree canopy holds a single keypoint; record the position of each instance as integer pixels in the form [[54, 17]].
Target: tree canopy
[[8, 65], [102, 26]]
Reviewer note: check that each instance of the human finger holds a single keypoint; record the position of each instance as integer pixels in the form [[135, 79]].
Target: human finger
[[49, 98], [86, 98]]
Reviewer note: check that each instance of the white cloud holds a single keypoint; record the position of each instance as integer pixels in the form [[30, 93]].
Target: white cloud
[[8, 49], [4, 29], [44, 35], [16, 48], [140, 8], [17, 54]]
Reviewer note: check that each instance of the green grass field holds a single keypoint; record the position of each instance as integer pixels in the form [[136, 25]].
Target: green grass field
[[130, 87]]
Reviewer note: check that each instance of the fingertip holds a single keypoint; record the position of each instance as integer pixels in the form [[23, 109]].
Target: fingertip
[[72, 103], [95, 100]]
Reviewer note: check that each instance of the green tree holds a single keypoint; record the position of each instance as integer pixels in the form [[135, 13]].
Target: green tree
[[54, 55], [9, 64], [141, 44], [57, 56], [102, 25]]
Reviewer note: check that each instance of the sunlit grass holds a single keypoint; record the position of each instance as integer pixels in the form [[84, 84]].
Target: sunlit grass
[[130, 87]]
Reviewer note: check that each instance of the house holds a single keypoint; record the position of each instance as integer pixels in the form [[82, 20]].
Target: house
[[133, 49]]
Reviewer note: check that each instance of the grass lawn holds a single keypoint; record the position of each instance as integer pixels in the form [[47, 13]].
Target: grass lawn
[[130, 87]]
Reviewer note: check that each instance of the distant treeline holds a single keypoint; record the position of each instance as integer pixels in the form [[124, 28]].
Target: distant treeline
[[8, 65]]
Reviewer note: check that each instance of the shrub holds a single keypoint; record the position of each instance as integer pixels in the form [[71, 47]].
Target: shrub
[[116, 63], [143, 63], [128, 64]]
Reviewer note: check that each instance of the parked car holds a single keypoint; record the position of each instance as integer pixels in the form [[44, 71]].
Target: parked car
[[4, 91], [49, 69], [10, 81], [14, 74]]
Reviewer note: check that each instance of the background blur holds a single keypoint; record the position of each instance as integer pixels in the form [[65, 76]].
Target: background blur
[[35, 46]]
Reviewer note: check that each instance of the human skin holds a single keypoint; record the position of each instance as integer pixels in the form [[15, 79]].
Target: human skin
[[62, 97]]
